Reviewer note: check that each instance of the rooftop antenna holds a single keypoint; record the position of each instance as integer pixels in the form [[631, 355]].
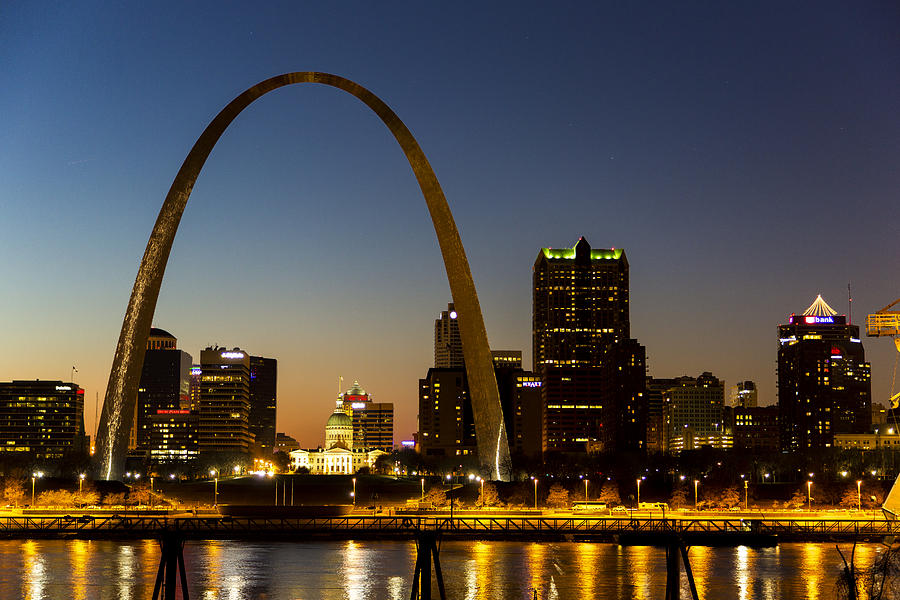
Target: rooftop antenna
[[850, 305]]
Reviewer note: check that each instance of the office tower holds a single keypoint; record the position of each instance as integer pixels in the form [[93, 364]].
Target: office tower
[[373, 422], [744, 394], [446, 424], [225, 401], [525, 434], [824, 381], [695, 413], [657, 433], [41, 421], [263, 401], [196, 373], [285, 443], [164, 385], [174, 437], [448, 353], [593, 375], [755, 428]]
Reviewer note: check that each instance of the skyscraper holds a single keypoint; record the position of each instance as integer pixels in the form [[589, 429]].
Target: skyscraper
[[694, 413], [263, 403], [164, 385], [41, 421], [225, 401], [592, 373], [448, 353], [744, 395], [824, 381], [373, 422], [446, 421]]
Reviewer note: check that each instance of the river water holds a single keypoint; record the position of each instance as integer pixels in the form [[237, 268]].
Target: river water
[[312, 570]]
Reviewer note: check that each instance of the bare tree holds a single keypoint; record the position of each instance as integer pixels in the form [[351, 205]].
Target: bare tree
[[488, 495], [88, 496], [678, 498], [13, 491], [609, 494], [850, 498], [56, 498], [437, 496], [558, 497]]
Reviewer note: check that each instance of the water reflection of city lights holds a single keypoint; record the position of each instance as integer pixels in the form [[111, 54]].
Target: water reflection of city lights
[[586, 555], [811, 560], [356, 571], [33, 563], [78, 555], [638, 562]]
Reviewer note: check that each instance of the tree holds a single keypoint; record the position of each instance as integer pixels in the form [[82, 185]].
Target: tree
[[117, 499], [850, 499], [678, 498], [140, 494], [56, 498], [437, 496], [488, 495], [87, 497], [798, 500], [609, 494], [282, 461], [558, 497], [13, 491], [729, 497]]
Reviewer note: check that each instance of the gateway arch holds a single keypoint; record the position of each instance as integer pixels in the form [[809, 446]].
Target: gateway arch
[[124, 377]]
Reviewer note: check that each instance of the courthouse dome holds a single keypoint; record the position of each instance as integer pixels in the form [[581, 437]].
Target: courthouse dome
[[339, 419]]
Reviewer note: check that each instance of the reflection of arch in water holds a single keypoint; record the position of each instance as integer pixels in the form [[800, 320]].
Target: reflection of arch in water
[[121, 391]]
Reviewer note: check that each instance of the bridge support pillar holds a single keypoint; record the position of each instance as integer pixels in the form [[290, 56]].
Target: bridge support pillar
[[426, 550], [676, 552], [673, 570], [171, 564]]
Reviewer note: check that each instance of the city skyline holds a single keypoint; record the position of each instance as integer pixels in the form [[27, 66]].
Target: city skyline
[[743, 177]]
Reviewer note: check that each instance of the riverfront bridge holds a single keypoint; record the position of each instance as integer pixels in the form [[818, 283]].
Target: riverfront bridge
[[717, 531]]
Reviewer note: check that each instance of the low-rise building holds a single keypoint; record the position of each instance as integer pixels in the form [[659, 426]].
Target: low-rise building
[[338, 457], [887, 438]]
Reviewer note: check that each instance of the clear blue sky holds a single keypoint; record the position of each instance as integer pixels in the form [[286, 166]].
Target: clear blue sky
[[745, 157]]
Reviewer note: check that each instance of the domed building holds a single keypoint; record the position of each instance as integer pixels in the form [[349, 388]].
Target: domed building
[[338, 457], [339, 430]]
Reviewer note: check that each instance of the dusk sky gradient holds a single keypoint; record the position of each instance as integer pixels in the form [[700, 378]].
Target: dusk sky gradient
[[745, 157]]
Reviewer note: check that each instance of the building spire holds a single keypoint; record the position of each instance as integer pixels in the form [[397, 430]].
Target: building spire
[[819, 308]]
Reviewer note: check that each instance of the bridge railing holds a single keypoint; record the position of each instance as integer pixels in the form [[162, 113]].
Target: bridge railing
[[19, 526]]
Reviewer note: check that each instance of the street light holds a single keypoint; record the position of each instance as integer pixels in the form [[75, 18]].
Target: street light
[[80, 482], [450, 481], [481, 480], [585, 489], [36, 475], [696, 483], [535, 492], [353, 494], [423, 489], [638, 505], [746, 504], [809, 495], [215, 474], [858, 494]]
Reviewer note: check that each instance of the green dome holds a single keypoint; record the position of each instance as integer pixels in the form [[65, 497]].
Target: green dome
[[339, 419], [356, 390]]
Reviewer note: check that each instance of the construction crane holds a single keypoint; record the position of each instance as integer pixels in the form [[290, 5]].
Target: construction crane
[[883, 323]]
